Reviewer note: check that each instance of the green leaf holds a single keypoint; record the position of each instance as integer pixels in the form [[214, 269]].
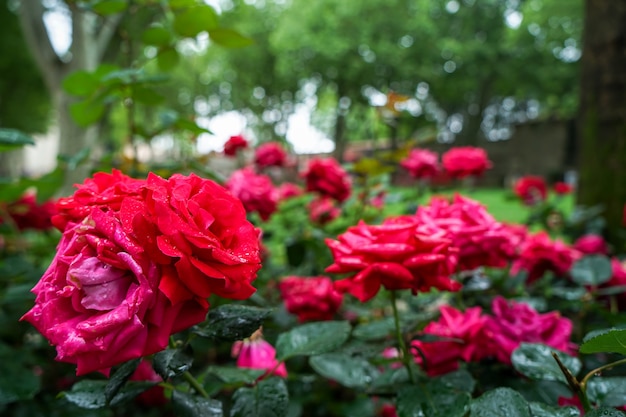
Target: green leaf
[[194, 20], [605, 412], [186, 405], [269, 398], [167, 59], [608, 391], [592, 270], [171, 362], [108, 7], [545, 410], [432, 399], [375, 330], [312, 339], [87, 394], [535, 361], [231, 375], [17, 381], [13, 139], [229, 38], [607, 340], [119, 378], [81, 83], [181, 4], [190, 126], [500, 402], [87, 112], [352, 372], [156, 36], [130, 391], [147, 96], [232, 322], [460, 380]]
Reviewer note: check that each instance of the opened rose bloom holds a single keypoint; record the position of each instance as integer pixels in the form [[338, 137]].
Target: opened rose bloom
[[591, 244], [310, 298], [130, 274], [288, 190], [256, 353], [392, 255], [323, 210], [233, 144], [540, 254], [465, 161], [531, 189], [514, 322], [270, 154], [421, 163], [26, 213], [482, 241], [327, 177], [256, 191]]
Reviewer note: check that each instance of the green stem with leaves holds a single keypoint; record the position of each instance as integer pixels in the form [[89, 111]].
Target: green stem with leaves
[[406, 356]]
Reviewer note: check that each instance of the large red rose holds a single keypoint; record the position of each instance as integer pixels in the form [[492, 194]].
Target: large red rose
[[513, 322], [482, 241], [531, 189], [421, 163], [393, 255], [310, 298], [233, 144], [256, 191], [270, 154], [465, 161], [327, 177]]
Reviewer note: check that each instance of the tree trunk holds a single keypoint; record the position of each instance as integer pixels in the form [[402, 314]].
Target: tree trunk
[[602, 112]]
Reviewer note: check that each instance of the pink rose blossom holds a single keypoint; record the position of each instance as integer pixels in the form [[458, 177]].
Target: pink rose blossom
[[310, 298], [531, 189], [287, 190], [421, 163], [465, 161], [256, 353], [233, 144], [270, 154], [539, 254], [323, 210], [256, 191], [327, 177], [591, 244]]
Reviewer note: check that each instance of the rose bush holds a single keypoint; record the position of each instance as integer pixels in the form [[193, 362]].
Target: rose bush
[[327, 177]]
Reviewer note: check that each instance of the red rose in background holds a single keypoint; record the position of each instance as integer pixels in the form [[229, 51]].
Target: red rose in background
[[421, 163], [287, 190], [154, 396], [256, 353], [233, 144], [28, 214], [513, 323], [256, 191], [531, 189], [539, 254], [591, 244], [482, 241], [323, 210], [563, 188], [270, 154], [328, 178], [465, 161], [393, 255], [440, 357], [310, 298]]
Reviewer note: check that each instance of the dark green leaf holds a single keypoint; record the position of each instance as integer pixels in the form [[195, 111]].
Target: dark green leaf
[[391, 378], [269, 398], [167, 59], [190, 126], [608, 391], [535, 361], [605, 412], [545, 410], [87, 394], [186, 405], [156, 36], [108, 7], [87, 112], [81, 83], [130, 391], [460, 380], [194, 20], [119, 378], [232, 375], [607, 340], [352, 372], [232, 322], [17, 381], [229, 38], [13, 139], [432, 399], [500, 402], [171, 362], [147, 96], [592, 270], [312, 339], [376, 330]]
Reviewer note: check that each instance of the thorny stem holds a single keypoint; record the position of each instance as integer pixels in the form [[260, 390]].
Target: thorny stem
[[406, 357], [195, 384], [577, 387]]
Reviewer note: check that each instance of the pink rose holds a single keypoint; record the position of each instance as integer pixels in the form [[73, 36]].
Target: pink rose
[[465, 161], [440, 357], [287, 190], [328, 178], [270, 154], [393, 255], [310, 298], [233, 144], [256, 191], [256, 353], [513, 323], [591, 244], [26, 213], [421, 163], [323, 210], [531, 189], [482, 241], [539, 254]]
